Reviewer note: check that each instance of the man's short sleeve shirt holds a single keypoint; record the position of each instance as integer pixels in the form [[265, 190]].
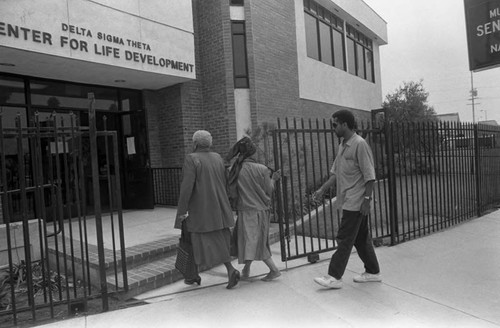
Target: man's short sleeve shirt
[[353, 167]]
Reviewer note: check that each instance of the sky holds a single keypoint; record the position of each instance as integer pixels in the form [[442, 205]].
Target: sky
[[427, 41]]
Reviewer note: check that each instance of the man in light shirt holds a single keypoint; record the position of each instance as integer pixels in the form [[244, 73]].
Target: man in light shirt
[[354, 174]]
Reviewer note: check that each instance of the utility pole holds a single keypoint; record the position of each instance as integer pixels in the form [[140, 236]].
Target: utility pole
[[473, 94]]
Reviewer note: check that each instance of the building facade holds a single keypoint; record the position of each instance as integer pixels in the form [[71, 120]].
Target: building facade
[[162, 69]]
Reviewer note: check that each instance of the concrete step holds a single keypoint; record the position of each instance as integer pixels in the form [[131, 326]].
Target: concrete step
[[145, 253], [146, 277], [136, 256], [149, 266]]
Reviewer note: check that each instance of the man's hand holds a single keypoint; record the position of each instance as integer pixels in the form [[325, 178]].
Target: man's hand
[[318, 194], [365, 207]]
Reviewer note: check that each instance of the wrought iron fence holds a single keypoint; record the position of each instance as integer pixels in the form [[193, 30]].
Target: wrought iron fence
[[429, 176], [166, 184], [51, 246]]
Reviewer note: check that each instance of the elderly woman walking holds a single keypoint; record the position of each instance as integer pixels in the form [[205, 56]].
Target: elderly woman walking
[[251, 186], [204, 205]]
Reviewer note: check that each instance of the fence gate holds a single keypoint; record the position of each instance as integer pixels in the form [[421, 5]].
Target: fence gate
[[304, 153], [429, 176], [57, 251]]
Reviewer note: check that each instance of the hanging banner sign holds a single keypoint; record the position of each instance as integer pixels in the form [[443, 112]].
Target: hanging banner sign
[[482, 19]]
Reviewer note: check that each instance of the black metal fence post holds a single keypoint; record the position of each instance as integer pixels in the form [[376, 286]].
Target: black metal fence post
[[389, 131], [278, 190], [477, 170], [97, 202]]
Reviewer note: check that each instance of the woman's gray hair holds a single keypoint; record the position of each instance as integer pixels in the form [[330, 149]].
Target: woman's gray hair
[[202, 138]]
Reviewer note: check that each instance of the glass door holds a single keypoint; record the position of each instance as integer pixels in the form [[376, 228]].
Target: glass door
[[138, 182]]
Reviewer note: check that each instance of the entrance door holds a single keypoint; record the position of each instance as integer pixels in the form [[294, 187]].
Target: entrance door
[[138, 182], [105, 157], [135, 174]]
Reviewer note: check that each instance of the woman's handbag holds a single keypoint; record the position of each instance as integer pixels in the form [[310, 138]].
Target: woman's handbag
[[185, 257], [233, 250]]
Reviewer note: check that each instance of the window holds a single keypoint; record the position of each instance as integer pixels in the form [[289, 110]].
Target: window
[[351, 56], [324, 35], [338, 49], [328, 41], [10, 147], [11, 90], [53, 94], [312, 37], [236, 2], [360, 58], [369, 63], [240, 65]]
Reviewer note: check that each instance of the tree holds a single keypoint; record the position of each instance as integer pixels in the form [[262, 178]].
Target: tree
[[414, 131], [409, 104]]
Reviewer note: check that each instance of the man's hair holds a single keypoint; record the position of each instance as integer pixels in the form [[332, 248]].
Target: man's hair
[[345, 116]]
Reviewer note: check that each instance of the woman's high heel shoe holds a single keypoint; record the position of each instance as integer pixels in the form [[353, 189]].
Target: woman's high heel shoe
[[192, 281], [233, 279]]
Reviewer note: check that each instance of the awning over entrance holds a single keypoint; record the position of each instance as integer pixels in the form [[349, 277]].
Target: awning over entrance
[[60, 68]]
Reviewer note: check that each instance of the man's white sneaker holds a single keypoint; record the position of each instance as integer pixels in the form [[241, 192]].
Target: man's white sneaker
[[328, 282], [368, 277]]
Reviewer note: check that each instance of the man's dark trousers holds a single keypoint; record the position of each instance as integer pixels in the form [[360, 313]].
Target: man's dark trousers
[[353, 231]]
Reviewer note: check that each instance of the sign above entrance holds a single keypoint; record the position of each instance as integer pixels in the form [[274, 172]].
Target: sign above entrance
[[483, 33], [95, 33]]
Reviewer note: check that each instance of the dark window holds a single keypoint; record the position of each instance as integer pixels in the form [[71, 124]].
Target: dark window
[[237, 2], [130, 100], [326, 43], [351, 56], [329, 42], [54, 95], [312, 37], [10, 146], [338, 49], [240, 65], [369, 65], [360, 61], [12, 90]]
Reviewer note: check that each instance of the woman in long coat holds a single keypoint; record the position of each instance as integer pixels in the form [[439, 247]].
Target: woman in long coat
[[251, 186], [204, 205]]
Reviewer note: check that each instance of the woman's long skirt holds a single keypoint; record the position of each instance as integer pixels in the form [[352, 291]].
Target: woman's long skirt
[[211, 248], [253, 236]]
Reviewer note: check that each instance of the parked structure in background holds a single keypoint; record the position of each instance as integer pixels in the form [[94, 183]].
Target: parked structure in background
[[449, 117], [488, 122]]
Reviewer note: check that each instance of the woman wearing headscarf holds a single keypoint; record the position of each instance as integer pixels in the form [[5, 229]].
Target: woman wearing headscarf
[[204, 205], [250, 187]]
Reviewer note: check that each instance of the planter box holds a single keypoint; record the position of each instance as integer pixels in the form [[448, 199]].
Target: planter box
[[18, 243]]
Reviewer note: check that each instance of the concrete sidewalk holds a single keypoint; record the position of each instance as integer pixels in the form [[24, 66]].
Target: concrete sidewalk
[[448, 279]]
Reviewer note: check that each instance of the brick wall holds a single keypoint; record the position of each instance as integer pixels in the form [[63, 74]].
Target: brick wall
[[214, 72], [164, 110], [272, 56]]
